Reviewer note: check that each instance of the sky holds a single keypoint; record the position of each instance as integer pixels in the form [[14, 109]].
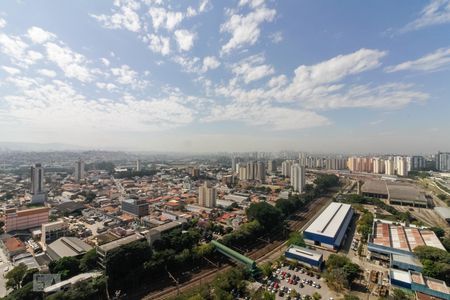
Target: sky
[[240, 75]]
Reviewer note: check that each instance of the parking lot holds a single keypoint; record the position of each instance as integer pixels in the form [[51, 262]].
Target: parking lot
[[286, 279]]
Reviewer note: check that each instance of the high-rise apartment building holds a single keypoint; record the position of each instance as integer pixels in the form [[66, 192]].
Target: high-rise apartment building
[[252, 169], [443, 161], [402, 168], [38, 194], [79, 170], [286, 168], [260, 171], [378, 165], [389, 166], [271, 166], [416, 163], [207, 196], [138, 165], [242, 172], [298, 177]]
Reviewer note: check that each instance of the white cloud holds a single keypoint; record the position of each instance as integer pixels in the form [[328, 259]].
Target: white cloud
[[71, 63], [128, 77], [245, 29], [435, 13], [11, 70], [16, 49], [266, 116], [105, 61], [185, 39], [163, 18], [106, 86], [203, 6], [276, 37], [47, 73], [430, 62], [2, 23], [313, 80], [39, 35], [52, 106], [210, 63], [278, 81], [252, 68], [251, 3], [159, 44], [125, 16]]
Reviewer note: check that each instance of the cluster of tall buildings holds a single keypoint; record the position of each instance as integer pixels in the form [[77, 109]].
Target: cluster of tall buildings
[[319, 162], [391, 165], [296, 172], [251, 170]]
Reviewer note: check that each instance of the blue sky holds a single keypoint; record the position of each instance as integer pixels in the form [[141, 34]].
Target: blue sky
[[244, 75]]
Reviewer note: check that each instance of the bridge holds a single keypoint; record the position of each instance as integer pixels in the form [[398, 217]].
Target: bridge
[[237, 257]]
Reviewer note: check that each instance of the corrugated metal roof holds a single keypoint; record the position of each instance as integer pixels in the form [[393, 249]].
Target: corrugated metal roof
[[330, 220]]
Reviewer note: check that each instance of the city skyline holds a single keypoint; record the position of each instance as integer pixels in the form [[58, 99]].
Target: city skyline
[[201, 76]]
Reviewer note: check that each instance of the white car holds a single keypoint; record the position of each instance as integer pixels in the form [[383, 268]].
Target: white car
[[6, 269]]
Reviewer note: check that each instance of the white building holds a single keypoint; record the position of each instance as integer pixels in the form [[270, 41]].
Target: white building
[[443, 161], [378, 165], [286, 168], [389, 167], [298, 177], [402, 167]]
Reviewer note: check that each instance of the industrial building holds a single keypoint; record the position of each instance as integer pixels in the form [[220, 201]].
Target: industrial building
[[67, 247], [443, 212], [305, 256], [389, 238], [416, 282], [329, 229], [396, 193]]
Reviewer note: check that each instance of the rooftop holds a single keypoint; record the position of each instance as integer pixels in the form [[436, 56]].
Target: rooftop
[[403, 276], [68, 246], [403, 238], [330, 220], [444, 212], [305, 252], [120, 242]]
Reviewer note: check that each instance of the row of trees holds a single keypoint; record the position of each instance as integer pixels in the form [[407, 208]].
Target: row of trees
[[341, 272], [435, 261]]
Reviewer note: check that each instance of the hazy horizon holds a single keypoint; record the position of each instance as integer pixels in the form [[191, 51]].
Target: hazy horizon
[[246, 75]]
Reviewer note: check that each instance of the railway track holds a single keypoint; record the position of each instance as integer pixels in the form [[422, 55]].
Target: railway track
[[258, 255]]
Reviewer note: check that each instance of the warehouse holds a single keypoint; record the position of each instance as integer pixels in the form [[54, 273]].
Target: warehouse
[[328, 230], [443, 212], [304, 256], [418, 283], [396, 193], [390, 238]]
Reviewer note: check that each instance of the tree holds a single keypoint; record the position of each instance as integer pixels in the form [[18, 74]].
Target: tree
[[399, 294], [351, 297], [286, 206], [267, 215], [24, 293], [296, 238], [442, 197], [317, 296], [438, 231], [15, 276], [266, 269], [66, 266], [88, 261]]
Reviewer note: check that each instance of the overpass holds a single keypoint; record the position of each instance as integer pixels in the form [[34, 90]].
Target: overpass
[[237, 257]]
